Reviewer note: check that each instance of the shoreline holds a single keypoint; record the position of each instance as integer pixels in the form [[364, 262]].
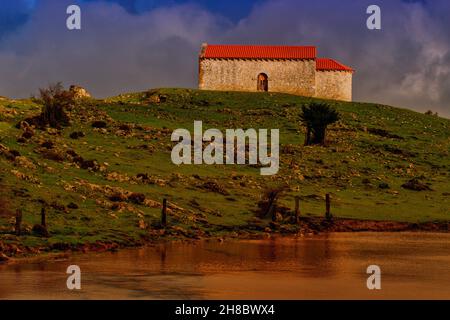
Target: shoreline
[[307, 226]]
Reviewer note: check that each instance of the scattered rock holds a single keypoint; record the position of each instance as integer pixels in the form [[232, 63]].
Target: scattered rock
[[214, 187], [58, 206], [154, 97], [25, 177], [125, 127], [398, 151], [312, 197], [14, 153], [383, 133], [288, 149], [24, 162], [143, 176], [72, 206], [416, 185], [79, 92], [194, 203], [77, 135], [99, 124], [147, 179], [89, 164], [136, 198], [383, 185], [28, 134], [72, 153], [48, 144], [142, 225], [203, 103], [118, 197], [115, 176], [52, 155]]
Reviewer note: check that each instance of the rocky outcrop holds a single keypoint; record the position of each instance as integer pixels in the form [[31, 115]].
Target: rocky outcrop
[[79, 92]]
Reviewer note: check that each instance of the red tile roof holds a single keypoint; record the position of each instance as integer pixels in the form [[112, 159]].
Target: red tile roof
[[325, 64], [258, 52]]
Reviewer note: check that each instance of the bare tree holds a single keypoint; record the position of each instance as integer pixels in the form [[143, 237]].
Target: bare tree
[[56, 101]]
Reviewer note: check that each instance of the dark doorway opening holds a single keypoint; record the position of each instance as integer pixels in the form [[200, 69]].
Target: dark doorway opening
[[263, 82]]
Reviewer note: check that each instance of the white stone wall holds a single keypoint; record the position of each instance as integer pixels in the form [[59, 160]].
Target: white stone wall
[[336, 85], [289, 76]]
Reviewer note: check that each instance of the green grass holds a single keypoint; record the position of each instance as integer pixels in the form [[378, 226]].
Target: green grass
[[351, 167]]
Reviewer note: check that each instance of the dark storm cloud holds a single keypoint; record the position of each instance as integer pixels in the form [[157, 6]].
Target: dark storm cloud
[[114, 52], [233, 10], [407, 63]]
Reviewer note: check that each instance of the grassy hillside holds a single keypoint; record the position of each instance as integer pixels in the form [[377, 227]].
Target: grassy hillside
[[372, 152]]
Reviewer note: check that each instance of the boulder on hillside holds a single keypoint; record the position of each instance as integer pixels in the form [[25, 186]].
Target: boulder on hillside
[[154, 96], [79, 92], [416, 185]]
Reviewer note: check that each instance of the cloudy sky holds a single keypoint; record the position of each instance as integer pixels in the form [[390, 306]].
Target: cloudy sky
[[131, 45]]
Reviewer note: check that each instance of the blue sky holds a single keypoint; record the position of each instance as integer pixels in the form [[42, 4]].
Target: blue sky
[[130, 45]]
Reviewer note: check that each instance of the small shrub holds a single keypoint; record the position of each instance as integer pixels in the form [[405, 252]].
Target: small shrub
[[56, 101], [431, 113], [267, 205]]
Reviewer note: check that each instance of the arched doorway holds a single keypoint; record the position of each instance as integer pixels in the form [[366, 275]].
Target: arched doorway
[[263, 82]]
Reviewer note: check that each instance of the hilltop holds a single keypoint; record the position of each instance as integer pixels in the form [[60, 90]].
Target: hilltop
[[102, 179]]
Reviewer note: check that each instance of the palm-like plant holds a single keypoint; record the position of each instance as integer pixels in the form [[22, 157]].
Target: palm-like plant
[[317, 117]]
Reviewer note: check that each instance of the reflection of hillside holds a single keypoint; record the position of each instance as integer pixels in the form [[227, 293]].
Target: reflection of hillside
[[321, 266], [318, 258], [309, 257]]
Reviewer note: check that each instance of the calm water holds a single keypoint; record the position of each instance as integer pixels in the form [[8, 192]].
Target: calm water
[[414, 265]]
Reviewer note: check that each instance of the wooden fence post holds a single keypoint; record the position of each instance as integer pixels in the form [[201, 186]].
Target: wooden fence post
[[328, 207], [18, 221], [273, 208], [297, 209], [43, 222], [164, 213]]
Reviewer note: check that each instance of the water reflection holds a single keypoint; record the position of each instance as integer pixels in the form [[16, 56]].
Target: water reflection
[[327, 266]]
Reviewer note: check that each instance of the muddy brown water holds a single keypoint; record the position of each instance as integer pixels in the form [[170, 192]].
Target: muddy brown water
[[331, 266]]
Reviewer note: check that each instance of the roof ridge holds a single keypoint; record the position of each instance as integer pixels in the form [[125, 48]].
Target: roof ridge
[[260, 45], [258, 51], [323, 63]]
